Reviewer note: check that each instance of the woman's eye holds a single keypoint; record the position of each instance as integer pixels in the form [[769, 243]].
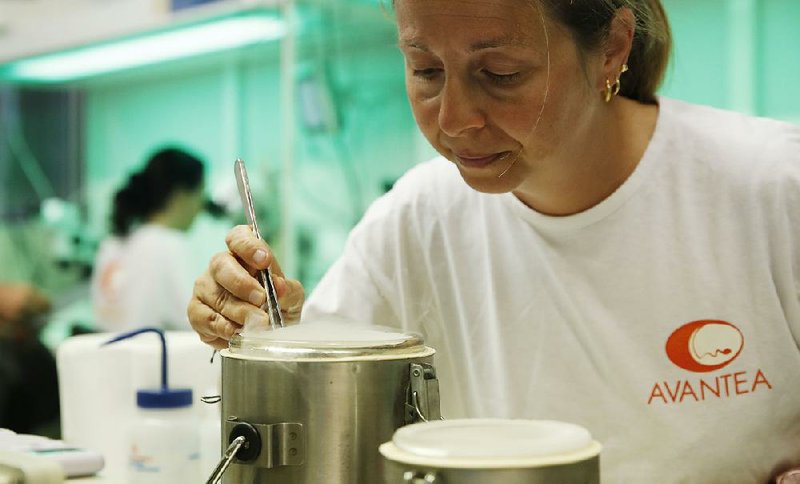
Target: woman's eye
[[501, 78], [426, 73]]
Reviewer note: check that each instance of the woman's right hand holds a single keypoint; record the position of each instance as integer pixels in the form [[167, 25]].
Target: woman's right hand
[[228, 295]]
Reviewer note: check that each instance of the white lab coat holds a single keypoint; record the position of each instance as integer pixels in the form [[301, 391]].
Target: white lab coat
[[142, 280]]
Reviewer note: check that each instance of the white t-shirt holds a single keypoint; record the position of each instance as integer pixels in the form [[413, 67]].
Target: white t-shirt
[[666, 319], [142, 280]]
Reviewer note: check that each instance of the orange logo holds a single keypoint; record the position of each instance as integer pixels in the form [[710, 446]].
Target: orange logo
[[706, 345], [702, 347]]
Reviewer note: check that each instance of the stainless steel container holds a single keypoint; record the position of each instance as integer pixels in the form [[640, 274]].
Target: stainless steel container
[[314, 409], [491, 451]]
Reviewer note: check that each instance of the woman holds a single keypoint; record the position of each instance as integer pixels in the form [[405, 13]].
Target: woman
[[141, 274], [622, 261]]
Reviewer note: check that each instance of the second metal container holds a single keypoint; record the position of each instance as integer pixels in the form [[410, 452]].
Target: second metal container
[[491, 451]]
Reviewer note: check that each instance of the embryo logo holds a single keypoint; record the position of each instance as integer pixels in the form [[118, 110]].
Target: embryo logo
[[703, 346]]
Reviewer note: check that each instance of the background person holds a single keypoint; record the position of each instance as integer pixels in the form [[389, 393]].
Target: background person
[[141, 276], [28, 377]]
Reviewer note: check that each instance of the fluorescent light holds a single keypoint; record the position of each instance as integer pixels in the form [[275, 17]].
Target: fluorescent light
[[216, 36]]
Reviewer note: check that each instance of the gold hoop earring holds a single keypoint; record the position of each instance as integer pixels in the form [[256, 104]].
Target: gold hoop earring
[[612, 90]]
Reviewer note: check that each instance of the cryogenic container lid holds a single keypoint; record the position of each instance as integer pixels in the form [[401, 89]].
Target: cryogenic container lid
[[328, 340], [491, 443]]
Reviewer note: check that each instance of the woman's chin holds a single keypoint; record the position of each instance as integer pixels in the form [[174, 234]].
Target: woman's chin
[[489, 184]]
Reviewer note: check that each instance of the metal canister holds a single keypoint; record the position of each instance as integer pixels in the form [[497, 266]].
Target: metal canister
[[491, 451], [314, 408]]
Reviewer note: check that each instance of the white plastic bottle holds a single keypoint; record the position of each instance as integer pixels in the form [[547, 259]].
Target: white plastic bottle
[[164, 439]]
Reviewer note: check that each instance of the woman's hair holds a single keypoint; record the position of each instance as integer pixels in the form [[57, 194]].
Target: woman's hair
[[589, 22], [147, 191]]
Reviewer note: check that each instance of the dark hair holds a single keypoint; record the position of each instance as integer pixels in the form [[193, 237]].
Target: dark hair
[[148, 190], [589, 22]]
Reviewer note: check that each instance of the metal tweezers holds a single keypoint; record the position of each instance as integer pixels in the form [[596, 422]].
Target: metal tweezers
[[271, 305]]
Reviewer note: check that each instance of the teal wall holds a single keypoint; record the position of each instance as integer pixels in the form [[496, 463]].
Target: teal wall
[[219, 110], [697, 72], [778, 70], [736, 54], [228, 107]]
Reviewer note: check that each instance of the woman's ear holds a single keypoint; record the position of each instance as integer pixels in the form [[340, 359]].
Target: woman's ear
[[618, 45]]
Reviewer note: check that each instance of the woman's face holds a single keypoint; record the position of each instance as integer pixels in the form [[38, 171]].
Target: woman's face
[[191, 203], [496, 87]]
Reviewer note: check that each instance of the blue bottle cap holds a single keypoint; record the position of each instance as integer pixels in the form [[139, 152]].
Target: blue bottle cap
[[164, 398]]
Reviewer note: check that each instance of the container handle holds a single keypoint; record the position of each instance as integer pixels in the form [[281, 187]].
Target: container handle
[[423, 394], [415, 403]]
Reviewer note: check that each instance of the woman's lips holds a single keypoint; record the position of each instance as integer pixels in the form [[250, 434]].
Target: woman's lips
[[481, 161]]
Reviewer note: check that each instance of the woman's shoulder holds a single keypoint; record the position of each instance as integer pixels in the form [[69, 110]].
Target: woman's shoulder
[[732, 134], [109, 251], [419, 201], [156, 239], [739, 148], [109, 246], [427, 188]]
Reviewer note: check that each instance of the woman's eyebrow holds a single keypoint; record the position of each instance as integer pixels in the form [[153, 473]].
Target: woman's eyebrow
[[414, 44], [507, 41], [476, 46]]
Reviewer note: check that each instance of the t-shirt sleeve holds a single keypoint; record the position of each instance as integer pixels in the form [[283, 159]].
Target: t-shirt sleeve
[[104, 286], [349, 291], [381, 277], [359, 285], [793, 206], [783, 151]]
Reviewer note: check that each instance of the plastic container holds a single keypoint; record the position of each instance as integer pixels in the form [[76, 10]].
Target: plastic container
[[164, 439], [98, 386], [164, 436]]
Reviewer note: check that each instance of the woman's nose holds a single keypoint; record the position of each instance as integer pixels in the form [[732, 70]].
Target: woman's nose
[[459, 109]]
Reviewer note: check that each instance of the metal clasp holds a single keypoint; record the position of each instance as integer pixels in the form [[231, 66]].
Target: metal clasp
[[423, 394], [282, 444]]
